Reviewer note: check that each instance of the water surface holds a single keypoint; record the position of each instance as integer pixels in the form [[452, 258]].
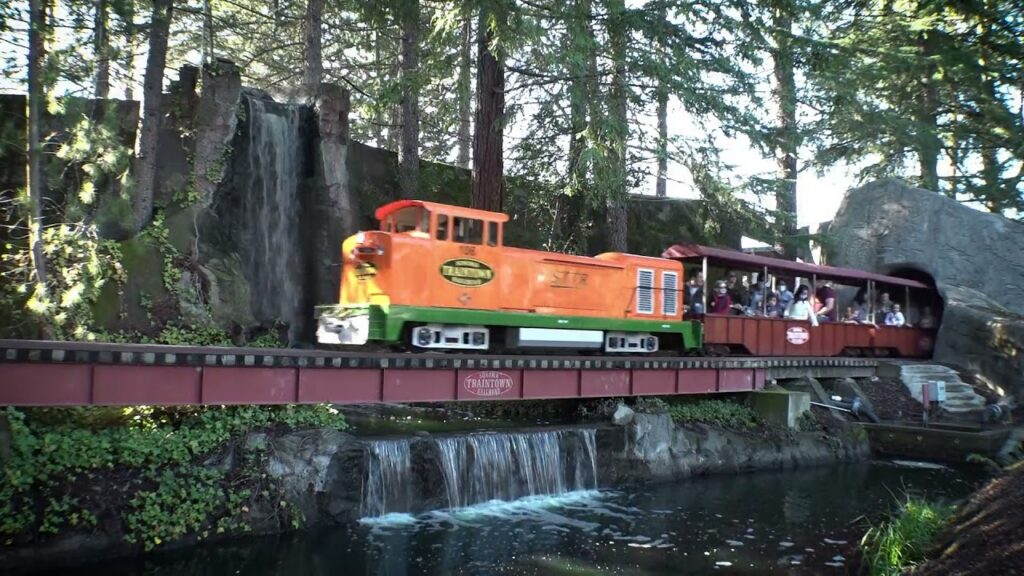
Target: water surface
[[793, 522]]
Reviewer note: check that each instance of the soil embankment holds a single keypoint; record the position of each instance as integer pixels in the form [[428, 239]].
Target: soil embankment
[[984, 536]]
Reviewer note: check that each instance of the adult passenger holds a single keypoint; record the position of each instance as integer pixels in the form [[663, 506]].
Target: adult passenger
[[785, 296], [737, 292], [801, 307], [884, 307], [894, 317], [721, 302], [693, 293], [927, 318], [826, 297], [756, 298]]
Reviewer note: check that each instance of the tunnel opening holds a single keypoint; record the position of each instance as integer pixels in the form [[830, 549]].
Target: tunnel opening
[[921, 300]]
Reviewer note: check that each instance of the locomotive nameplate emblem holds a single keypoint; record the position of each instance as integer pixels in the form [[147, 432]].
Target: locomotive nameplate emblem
[[365, 270], [797, 335], [488, 383], [466, 272]]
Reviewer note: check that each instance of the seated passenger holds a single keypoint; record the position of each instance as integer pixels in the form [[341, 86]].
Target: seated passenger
[[720, 302], [785, 296], [801, 307], [693, 293], [927, 318], [737, 292], [884, 307], [849, 317], [757, 297], [826, 297], [894, 317], [773, 309]]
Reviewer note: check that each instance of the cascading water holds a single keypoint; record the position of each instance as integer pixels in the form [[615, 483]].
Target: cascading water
[[275, 161], [388, 484], [483, 467]]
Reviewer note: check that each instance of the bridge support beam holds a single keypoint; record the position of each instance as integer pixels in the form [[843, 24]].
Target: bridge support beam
[[780, 407]]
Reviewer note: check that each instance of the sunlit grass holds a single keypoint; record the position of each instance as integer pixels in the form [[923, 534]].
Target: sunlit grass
[[902, 541]]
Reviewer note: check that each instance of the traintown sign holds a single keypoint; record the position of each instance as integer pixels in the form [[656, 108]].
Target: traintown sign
[[488, 383]]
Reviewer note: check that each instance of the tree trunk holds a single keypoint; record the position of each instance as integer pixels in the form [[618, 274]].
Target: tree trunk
[[207, 55], [661, 183], [409, 138], [101, 47], [129, 43], [152, 90], [573, 207], [314, 59], [394, 110], [36, 54], [786, 136], [377, 128], [617, 194], [928, 146], [488, 160], [465, 94]]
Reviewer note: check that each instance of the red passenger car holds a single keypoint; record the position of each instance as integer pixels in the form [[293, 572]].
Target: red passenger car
[[753, 332]]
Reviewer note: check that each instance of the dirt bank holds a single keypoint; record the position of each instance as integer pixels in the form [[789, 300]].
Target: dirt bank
[[984, 536]]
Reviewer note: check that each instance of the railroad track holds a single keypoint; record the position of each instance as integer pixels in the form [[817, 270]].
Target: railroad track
[[60, 352]]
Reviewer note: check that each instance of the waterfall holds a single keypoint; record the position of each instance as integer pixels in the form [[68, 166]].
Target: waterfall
[[388, 484], [275, 156], [484, 467]]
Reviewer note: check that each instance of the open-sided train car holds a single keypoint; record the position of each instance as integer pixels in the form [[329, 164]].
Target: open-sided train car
[[762, 336]]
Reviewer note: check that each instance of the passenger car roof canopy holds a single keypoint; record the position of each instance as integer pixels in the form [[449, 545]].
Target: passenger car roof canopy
[[741, 260]]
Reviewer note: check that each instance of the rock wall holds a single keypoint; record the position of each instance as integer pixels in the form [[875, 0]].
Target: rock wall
[[654, 449], [975, 259]]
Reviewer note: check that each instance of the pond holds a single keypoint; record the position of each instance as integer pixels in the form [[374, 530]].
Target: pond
[[800, 521]]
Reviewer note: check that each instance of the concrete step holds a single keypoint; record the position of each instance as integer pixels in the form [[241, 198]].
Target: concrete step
[[959, 396]]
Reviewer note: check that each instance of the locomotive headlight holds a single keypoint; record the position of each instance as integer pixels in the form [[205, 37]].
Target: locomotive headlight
[[424, 336], [360, 238], [651, 343]]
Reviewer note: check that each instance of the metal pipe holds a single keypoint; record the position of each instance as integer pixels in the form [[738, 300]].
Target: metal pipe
[[831, 407]]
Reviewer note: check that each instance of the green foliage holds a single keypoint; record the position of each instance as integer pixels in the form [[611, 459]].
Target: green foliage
[[196, 335], [900, 542], [155, 453], [808, 422], [158, 236], [80, 263], [722, 413]]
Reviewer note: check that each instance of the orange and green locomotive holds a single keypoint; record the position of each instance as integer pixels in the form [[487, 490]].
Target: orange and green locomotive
[[439, 277]]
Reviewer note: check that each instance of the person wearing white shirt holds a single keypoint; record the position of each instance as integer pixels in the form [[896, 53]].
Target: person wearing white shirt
[[894, 317], [801, 308]]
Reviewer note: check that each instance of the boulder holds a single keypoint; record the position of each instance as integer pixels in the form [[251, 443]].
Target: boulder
[[622, 416], [975, 259]]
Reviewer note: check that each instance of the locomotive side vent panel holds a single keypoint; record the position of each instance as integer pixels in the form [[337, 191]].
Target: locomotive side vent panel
[[644, 291], [670, 294]]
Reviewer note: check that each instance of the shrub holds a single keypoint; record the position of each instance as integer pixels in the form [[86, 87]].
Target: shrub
[[717, 412]]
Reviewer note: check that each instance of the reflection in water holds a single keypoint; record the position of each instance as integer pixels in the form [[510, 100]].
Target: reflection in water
[[770, 522]]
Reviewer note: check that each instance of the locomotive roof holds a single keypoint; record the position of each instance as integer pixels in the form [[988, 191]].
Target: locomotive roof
[[392, 207], [743, 260]]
